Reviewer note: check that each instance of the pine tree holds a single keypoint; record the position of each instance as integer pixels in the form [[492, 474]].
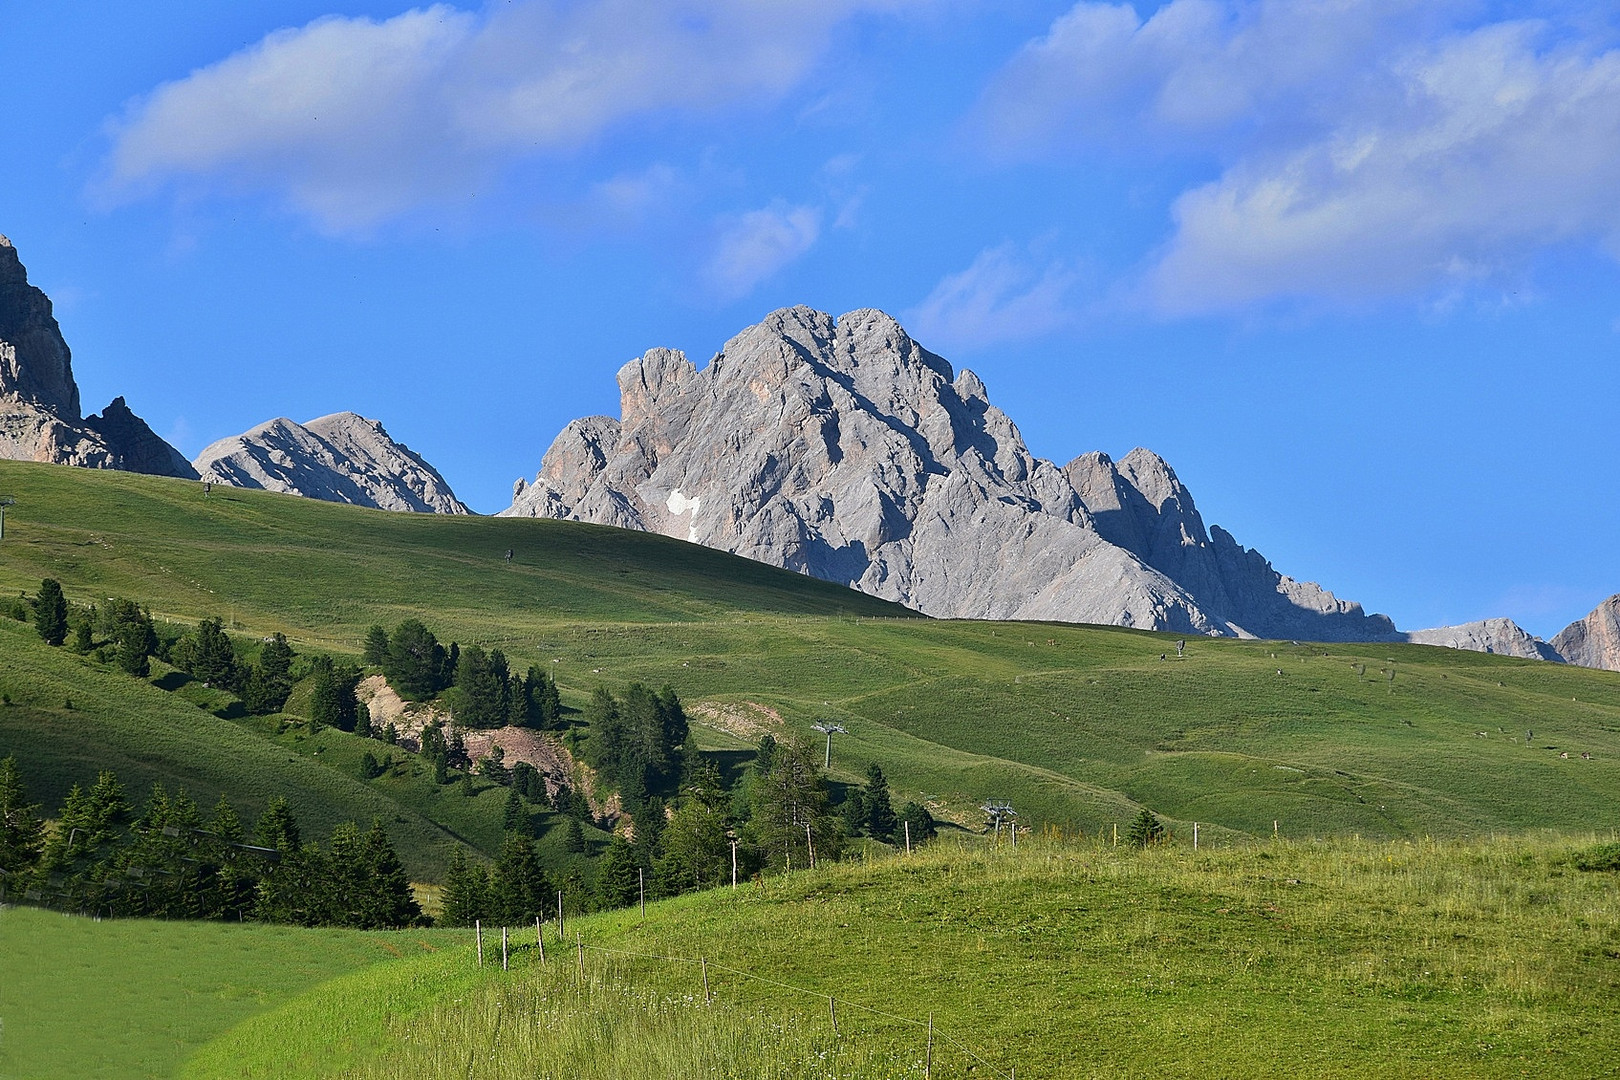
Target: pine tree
[[921, 821], [574, 837], [513, 817], [50, 612], [387, 900], [22, 833], [519, 890], [788, 801], [376, 648], [277, 827], [466, 892], [137, 641], [696, 851], [617, 882], [84, 631], [880, 818], [210, 658], [414, 662], [1145, 830]]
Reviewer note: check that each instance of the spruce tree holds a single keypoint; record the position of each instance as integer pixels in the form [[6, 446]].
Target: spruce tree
[[574, 837], [376, 648], [387, 901], [617, 881], [22, 833], [1145, 830], [414, 662], [84, 631], [277, 827], [923, 827], [137, 641], [513, 817], [50, 612], [519, 891], [880, 817], [466, 892]]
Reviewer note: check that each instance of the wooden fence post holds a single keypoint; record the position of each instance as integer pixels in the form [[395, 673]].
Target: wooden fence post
[[704, 961], [928, 1062], [504, 966], [478, 935], [579, 942], [540, 940]]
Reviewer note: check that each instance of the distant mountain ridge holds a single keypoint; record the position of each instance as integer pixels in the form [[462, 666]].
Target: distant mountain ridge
[[39, 399], [843, 449], [343, 457]]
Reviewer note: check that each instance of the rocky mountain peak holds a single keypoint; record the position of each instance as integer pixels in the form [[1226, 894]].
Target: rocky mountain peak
[[343, 457], [844, 449], [1595, 640], [35, 364]]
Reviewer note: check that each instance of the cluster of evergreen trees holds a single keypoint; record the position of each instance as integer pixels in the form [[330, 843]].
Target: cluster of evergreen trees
[[171, 861], [480, 688]]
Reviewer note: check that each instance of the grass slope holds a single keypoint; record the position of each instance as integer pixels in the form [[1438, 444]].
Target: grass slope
[[84, 1000], [1345, 959], [1075, 725]]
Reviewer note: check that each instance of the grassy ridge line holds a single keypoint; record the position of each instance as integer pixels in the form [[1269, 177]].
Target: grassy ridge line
[[1220, 736], [322, 571], [148, 736], [87, 1000], [1347, 959]]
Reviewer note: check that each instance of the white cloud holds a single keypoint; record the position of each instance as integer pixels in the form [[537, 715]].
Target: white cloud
[[1364, 148], [999, 298], [755, 245], [354, 120]]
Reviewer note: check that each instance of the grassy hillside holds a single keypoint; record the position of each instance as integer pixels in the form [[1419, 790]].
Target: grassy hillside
[[91, 1000], [1346, 959], [1075, 725]]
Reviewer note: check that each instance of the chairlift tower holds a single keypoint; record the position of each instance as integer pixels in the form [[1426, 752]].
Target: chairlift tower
[[999, 813], [828, 728], [5, 501]]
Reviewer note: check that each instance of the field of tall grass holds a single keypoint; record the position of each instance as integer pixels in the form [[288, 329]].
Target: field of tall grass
[[1068, 958]]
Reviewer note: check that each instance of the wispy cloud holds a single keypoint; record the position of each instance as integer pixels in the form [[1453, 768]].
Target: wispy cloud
[[1361, 149], [1000, 298], [754, 246], [354, 120]]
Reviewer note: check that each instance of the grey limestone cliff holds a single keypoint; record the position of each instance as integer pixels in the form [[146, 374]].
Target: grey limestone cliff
[[1504, 637], [340, 458], [39, 399], [1595, 640], [843, 449]]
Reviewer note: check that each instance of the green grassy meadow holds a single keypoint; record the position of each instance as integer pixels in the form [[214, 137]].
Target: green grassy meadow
[[88, 1000], [1485, 958], [1076, 725]]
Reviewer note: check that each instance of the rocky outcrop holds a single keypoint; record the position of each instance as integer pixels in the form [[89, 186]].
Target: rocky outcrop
[[39, 400], [1595, 640], [340, 458], [1504, 637], [845, 450]]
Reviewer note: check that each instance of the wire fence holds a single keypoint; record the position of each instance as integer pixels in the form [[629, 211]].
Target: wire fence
[[834, 1002]]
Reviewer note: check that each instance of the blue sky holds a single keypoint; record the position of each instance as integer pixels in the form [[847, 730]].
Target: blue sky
[[1350, 267]]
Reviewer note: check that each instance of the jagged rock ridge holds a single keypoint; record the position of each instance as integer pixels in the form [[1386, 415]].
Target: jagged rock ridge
[[1504, 637], [340, 458], [845, 450], [39, 399], [1595, 640]]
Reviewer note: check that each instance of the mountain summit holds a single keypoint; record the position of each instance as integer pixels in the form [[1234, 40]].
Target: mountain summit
[[843, 449], [39, 400]]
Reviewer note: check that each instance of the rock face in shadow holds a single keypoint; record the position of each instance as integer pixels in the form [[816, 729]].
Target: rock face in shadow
[[1504, 637], [843, 449], [39, 400], [1595, 640], [339, 458]]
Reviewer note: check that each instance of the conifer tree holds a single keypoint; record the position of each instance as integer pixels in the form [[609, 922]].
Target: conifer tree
[[617, 883], [376, 648], [50, 612], [696, 851], [1145, 830], [466, 892], [22, 833], [277, 827], [386, 900], [513, 817], [84, 631], [137, 641], [519, 888], [880, 817], [574, 837], [414, 662]]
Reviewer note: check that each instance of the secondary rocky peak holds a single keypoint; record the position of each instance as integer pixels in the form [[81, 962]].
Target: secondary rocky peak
[[35, 364], [844, 449], [39, 400], [1504, 637], [1595, 640], [343, 457]]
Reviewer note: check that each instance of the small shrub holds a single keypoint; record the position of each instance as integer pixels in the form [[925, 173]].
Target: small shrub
[[1602, 857]]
